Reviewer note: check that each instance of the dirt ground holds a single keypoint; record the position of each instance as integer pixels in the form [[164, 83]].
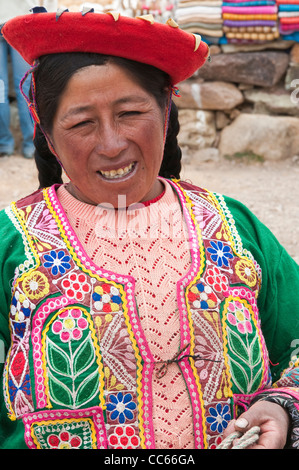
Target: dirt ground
[[269, 189]]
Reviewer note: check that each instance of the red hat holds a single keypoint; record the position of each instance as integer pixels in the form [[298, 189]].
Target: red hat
[[141, 39]]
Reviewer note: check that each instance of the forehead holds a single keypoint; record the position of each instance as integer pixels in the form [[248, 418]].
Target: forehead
[[106, 81]]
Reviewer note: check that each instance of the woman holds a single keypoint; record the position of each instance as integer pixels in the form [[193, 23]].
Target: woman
[[137, 311]]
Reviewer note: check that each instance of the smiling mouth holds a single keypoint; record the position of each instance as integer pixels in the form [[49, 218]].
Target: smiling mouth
[[120, 173]]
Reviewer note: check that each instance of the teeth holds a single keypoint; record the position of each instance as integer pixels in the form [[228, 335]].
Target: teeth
[[118, 173]]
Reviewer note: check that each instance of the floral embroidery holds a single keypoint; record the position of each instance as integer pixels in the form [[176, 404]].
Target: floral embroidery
[[121, 407], [124, 438], [58, 262], [220, 253], [36, 285], [64, 440], [239, 316], [106, 298], [216, 443], [216, 279], [202, 296], [219, 417], [70, 325], [246, 272], [76, 286]]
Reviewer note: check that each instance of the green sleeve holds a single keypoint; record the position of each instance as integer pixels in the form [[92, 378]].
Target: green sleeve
[[278, 301], [11, 255]]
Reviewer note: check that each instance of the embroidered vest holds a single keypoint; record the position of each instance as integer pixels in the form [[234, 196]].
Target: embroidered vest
[[74, 326]]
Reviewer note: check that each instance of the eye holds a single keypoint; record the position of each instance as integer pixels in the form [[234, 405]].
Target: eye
[[81, 124], [131, 113]]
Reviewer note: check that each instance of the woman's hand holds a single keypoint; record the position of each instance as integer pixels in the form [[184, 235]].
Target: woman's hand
[[272, 419]]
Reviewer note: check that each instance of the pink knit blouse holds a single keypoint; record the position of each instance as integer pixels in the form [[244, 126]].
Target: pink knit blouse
[[151, 244]]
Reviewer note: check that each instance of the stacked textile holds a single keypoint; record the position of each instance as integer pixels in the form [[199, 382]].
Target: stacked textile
[[202, 17], [288, 16], [250, 20]]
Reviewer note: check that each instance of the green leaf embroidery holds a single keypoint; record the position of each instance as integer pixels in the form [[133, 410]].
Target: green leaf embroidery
[[84, 356], [66, 385], [88, 388], [59, 392], [237, 346], [58, 360], [255, 352], [239, 375]]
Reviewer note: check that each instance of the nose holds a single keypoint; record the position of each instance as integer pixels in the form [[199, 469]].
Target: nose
[[111, 142]]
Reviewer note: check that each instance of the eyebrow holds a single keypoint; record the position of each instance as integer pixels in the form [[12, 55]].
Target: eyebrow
[[81, 109]]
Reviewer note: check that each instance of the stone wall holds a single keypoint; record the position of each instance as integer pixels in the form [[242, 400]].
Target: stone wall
[[244, 102]]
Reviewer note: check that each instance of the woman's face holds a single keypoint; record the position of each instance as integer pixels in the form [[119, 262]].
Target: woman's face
[[108, 133]]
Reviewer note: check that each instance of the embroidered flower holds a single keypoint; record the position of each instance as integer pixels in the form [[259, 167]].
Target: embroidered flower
[[20, 307], [239, 316], [246, 272], [124, 437], [216, 443], [219, 417], [202, 296], [64, 440], [36, 285], [220, 253], [121, 407], [217, 280], [106, 298], [76, 286], [46, 222], [70, 325], [58, 262]]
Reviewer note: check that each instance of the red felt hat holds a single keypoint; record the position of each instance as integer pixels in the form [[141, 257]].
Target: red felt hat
[[141, 39]]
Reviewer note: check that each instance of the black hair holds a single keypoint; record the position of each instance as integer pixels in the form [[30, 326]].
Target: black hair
[[51, 78]]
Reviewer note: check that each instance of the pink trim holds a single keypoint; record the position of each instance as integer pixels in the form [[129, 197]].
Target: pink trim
[[95, 413], [129, 286], [247, 294], [184, 320], [38, 321]]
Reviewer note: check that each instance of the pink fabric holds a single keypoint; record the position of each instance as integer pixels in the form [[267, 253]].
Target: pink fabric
[[264, 10], [145, 256]]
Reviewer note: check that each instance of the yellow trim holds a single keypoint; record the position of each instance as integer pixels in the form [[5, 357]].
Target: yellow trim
[[26, 239], [190, 206]]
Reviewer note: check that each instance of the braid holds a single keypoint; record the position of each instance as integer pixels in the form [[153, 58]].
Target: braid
[[171, 163], [49, 169]]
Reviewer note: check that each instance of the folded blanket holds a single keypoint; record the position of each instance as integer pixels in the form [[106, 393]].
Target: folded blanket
[[287, 2], [249, 29], [292, 36], [254, 36], [267, 10], [249, 23], [289, 8], [292, 20], [205, 32], [288, 14], [248, 4], [289, 27], [203, 10], [231, 16]]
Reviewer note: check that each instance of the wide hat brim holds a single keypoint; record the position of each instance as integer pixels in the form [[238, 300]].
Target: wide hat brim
[[141, 39]]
